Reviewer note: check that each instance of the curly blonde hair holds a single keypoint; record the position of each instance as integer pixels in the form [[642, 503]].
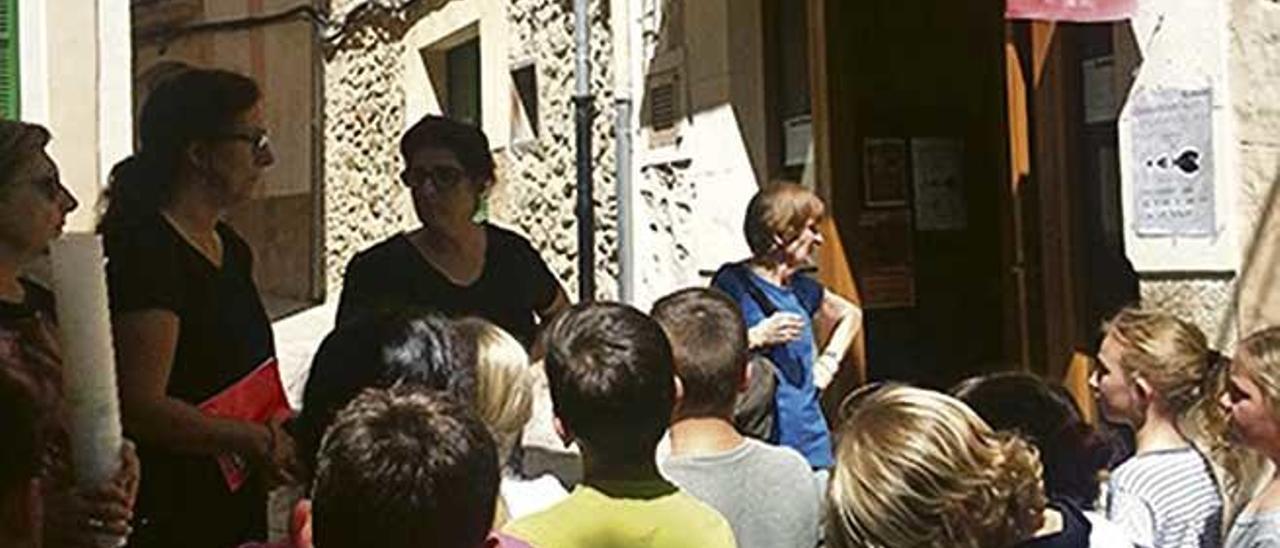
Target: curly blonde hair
[[504, 383], [917, 468]]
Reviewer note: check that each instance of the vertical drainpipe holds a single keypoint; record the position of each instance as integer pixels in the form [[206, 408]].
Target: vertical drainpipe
[[582, 114], [621, 29]]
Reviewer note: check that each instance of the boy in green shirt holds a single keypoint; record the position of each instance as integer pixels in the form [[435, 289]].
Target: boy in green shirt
[[613, 387]]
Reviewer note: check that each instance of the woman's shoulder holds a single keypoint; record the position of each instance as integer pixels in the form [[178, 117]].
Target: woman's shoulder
[[502, 237], [394, 249], [149, 229], [729, 274]]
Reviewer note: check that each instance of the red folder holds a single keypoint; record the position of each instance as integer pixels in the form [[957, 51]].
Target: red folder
[[258, 397]]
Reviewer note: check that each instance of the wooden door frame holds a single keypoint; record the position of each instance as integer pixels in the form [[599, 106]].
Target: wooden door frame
[[1042, 83]]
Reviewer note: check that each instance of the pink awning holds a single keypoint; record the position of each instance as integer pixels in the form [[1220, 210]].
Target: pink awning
[[1080, 11]]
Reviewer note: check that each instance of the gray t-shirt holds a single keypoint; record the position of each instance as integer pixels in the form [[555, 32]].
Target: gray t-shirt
[[769, 494], [1255, 531]]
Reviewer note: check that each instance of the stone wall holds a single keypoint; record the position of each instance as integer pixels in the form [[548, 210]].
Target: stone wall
[[537, 190], [364, 116]]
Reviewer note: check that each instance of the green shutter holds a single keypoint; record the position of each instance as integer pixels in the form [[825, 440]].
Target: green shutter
[[9, 96]]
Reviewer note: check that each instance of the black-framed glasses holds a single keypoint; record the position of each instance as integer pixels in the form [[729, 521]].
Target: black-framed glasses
[[259, 142], [440, 176]]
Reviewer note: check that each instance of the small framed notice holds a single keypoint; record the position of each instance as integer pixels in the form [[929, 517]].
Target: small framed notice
[[884, 172]]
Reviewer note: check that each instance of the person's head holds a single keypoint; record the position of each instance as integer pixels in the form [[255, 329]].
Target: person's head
[[405, 468], [504, 383], [709, 344], [918, 468], [611, 378], [33, 202], [379, 352], [781, 223], [1072, 451], [20, 462], [1252, 399], [448, 167], [200, 131], [1150, 361]]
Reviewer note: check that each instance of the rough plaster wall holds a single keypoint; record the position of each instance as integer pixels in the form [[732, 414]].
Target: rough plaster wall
[[536, 194], [1255, 75], [667, 201], [1204, 302], [364, 115]]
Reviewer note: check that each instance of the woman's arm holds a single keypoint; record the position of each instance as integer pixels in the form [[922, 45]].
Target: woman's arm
[[558, 304], [145, 345], [847, 318]]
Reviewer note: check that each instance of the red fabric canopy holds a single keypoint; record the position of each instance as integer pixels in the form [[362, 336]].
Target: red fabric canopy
[[1080, 11]]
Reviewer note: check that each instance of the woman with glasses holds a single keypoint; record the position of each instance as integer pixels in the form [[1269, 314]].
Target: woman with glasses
[[456, 263], [187, 319], [33, 208]]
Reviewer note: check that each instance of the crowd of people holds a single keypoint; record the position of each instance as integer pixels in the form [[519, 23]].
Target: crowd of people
[[411, 419]]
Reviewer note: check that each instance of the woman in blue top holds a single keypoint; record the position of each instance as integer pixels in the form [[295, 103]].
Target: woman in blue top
[[781, 305]]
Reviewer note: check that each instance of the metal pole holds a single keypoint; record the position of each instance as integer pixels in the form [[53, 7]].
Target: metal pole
[[622, 138], [582, 113]]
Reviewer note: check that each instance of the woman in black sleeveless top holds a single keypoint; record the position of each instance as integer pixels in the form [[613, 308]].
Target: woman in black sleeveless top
[[457, 263]]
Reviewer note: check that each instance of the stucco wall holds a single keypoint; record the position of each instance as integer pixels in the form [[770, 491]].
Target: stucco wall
[[693, 192], [1182, 44], [1255, 74], [374, 92], [1232, 46]]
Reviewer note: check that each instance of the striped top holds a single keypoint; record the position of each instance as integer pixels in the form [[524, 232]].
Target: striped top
[[1166, 499]]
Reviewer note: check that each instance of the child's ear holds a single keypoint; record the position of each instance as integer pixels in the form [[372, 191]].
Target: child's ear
[[748, 373], [679, 385]]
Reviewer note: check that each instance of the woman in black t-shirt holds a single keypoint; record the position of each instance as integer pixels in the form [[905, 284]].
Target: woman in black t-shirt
[[186, 315], [456, 263]]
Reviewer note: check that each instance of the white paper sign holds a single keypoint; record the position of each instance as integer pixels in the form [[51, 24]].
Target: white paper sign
[[937, 167], [1172, 147]]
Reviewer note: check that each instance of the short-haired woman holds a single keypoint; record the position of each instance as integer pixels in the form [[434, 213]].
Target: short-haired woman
[[917, 468], [187, 318], [456, 263], [33, 206], [780, 304], [1253, 401]]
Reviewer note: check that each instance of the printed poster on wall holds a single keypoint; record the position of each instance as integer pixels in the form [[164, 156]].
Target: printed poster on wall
[[937, 167], [884, 254], [1172, 151]]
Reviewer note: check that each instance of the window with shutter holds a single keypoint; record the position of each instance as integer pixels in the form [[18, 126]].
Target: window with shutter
[[9, 97]]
